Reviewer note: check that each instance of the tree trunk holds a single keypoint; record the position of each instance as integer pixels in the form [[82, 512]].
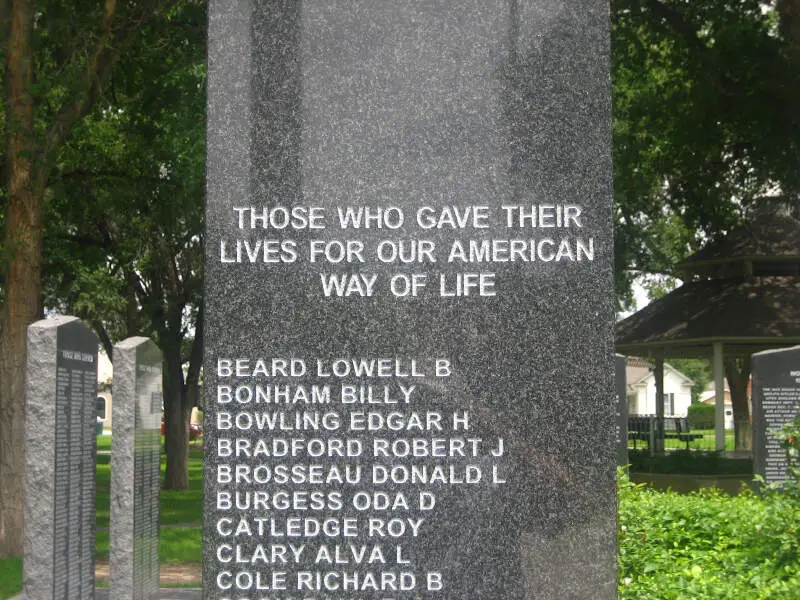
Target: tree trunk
[[22, 276], [177, 411], [737, 371]]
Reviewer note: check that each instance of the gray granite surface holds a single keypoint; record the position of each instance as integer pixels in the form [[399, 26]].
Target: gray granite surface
[[60, 444], [776, 402], [453, 123], [135, 470]]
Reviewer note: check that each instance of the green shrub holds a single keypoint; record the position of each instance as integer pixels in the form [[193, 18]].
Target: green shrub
[[708, 545], [701, 416]]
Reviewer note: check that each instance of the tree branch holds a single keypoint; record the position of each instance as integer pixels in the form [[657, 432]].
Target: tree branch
[[114, 35], [675, 20], [196, 353], [85, 240], [97, 72], [105, 339], [87, 175]]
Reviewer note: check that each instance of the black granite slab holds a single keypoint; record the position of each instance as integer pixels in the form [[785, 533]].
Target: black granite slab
[[776, 402], [441, 370], [621, 383]]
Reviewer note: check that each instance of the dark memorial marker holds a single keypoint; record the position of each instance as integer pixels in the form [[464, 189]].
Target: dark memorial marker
[[135, 470], [60, 446], [409, 307], [776, 402], [621, 383]]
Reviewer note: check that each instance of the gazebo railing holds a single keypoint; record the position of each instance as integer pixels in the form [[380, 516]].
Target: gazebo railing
[[645, 428]]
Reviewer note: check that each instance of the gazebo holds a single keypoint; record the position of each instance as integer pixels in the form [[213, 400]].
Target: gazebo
[[741, 295]]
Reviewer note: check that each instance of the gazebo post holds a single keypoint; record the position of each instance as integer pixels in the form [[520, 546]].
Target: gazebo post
[[719, 395], [659, 377]]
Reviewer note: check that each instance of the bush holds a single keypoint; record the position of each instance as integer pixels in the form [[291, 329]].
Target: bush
[[701, 416], [707, 545]]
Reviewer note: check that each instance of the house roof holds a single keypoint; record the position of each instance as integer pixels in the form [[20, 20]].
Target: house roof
[[771, 238], [710, 387], [747, 315], [639, 370], [711, 398], [636, 372]]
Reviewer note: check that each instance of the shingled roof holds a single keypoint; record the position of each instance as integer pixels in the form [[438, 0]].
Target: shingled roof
[[772, 239], [746, 314]]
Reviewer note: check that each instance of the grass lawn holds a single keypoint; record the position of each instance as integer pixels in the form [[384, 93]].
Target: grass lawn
[[180, 539], [10, 577], [707, 442]]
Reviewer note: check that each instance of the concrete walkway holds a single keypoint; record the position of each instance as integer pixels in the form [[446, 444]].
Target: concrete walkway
[[164, 594]]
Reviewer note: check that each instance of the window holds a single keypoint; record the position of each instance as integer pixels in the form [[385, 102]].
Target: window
[[669, 404]]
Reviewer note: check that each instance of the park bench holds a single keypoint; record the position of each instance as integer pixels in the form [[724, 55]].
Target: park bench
[[643, 427]]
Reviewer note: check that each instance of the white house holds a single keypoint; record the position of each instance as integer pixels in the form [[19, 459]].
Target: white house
[[104, 400], [105, 372], [710, 397], [641, 382]]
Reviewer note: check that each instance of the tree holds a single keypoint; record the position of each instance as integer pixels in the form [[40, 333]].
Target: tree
[[706, 128], [705, 122], [698, 370], [124, 224], [59, 56]]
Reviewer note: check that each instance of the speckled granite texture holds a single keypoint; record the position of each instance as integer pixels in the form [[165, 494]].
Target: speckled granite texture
[[776, 402], [135, 470], [60, 446], [465, 107]]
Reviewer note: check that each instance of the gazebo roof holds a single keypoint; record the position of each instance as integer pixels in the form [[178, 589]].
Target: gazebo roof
[[766, 239], [747, 315]]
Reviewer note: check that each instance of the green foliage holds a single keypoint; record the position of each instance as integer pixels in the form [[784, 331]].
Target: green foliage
[[124, 220], [703, 127], [701, 415], [707, 545], [696, 369], [123, 223]]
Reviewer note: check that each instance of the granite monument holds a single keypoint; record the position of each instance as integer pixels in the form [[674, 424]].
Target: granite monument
[[409, 371], [135, 470], [60, 447], [776, 402]]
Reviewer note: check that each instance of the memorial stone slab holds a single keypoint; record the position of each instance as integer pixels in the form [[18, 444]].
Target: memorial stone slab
[[409, 369], [621, 383], [135, 470], [776, 402], [60, 447]]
